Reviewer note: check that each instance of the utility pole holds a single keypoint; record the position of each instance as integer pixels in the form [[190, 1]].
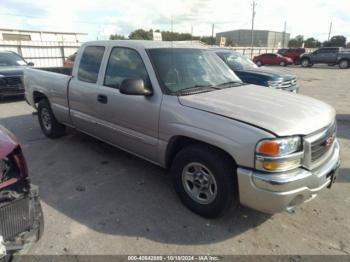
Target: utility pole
[[252, 33], [284, 34], [191, 32], [330, 31], [212, 35]]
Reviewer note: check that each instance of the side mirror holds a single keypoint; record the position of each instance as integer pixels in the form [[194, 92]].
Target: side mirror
[[30, 63], [135, 87]]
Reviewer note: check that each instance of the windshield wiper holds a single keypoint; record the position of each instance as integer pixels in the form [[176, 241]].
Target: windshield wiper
[[196, 88], [230, 84]]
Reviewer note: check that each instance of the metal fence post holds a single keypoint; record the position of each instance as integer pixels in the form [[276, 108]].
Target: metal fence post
[[62, 54]]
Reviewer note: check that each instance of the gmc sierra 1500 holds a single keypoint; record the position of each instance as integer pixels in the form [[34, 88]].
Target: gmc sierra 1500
[[182, 108]]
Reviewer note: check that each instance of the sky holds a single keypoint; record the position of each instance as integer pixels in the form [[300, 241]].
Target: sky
[[100, 18]]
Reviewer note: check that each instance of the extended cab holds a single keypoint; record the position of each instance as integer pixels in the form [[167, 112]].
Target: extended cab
[[327, 55], [182, 108]]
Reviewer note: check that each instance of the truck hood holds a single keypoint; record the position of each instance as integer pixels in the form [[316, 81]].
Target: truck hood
[[279, 112], [266, 73], [12, 70]]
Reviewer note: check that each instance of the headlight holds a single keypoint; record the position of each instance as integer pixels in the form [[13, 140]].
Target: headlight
[[281, 154], [274, 84]]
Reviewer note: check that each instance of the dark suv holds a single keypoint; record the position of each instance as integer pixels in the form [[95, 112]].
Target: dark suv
[[11, 74], [248, 72]]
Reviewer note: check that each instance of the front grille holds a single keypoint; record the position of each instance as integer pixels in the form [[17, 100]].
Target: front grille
[[13, 81], [15, 218], [288, 83], [321, 146]]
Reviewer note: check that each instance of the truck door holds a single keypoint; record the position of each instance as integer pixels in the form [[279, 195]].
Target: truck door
[[330, 55], [129, 121], [83, 91], [317, 56]]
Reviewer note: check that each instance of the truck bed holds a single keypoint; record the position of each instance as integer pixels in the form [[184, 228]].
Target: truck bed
[[53, 83]]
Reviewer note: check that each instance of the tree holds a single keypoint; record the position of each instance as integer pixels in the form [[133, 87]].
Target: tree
[[337, 41], [312, 43], [116, 37], [208, 40], [296, 41], [141, 34], [348, 45]]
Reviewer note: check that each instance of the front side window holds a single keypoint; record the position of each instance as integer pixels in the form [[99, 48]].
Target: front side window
[[237, 61], [124, 63], [90, 63], [185, 68], [11, 59]]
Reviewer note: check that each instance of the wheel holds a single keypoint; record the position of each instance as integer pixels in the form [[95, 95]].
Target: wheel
[[259, 63], [343, 64], [48, 123], [204, 179], [283, 63], [305, 62]]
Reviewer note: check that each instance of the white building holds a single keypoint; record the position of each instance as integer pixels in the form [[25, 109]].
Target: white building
[[43, 48], [40, 36]]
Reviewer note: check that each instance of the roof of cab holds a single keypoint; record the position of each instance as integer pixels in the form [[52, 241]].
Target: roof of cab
[[147, 44]]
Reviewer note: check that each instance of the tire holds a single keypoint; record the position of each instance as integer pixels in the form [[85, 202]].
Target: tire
[[259, 63], [48, 122], [343, 64], [305, 62], [283, 63], [212, 175]]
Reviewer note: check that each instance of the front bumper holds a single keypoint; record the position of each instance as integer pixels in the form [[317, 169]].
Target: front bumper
[[11, 91], [272, 193], [22, 241]]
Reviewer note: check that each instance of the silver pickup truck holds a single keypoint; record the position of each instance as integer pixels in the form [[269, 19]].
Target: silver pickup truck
[[182, 108]]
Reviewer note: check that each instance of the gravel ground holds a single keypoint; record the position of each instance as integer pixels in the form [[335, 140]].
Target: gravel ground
[[101, 200]]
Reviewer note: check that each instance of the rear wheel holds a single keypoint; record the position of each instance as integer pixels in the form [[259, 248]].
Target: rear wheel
[[344, 64], [259, 63], [48, 122], [204, 180]]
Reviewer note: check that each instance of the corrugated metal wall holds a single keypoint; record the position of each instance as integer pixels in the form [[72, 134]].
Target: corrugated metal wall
[[42, 54]]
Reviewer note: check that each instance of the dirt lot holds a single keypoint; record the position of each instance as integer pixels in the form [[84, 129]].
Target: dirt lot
[[100, 200]]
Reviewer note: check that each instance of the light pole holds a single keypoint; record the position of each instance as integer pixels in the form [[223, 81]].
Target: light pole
[[252, 33]]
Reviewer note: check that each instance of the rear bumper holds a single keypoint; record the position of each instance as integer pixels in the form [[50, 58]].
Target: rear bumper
[[21, 242], [272, 193]]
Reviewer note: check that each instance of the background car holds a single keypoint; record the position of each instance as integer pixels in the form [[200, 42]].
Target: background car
[[21, 215], [11, 74], [293, 53], [69, 62], [272, 59], [248, 72]]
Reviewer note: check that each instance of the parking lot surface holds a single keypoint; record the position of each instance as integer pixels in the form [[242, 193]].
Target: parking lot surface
[[100, 200]]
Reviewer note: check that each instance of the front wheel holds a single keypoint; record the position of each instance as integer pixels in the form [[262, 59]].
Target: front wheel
[[259, 63], [305, 62], [204, 180], [48, 122], [283, 63]]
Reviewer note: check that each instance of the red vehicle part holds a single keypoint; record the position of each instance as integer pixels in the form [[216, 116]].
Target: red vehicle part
[[272, 59]]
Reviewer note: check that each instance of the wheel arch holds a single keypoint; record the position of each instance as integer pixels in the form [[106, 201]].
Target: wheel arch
[[176, 143]]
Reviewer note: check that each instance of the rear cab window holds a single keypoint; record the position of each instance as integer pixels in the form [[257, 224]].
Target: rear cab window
[[90, 63]]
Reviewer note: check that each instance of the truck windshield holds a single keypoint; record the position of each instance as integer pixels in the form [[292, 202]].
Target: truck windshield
[[185, 69], [236, 61], [11, 59]]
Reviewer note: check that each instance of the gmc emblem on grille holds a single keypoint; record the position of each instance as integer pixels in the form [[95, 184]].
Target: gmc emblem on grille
[[329, 141]]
